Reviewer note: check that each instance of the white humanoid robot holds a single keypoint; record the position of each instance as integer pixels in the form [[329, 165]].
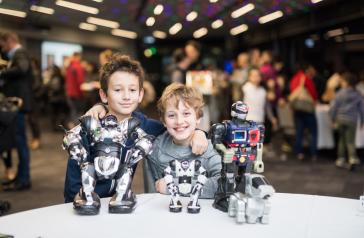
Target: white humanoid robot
[[98, 148], [241, 193], [184, 172]]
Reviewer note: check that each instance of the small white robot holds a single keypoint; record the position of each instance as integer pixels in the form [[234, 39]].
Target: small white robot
[[98, 145], [184, 172], [240, 193]]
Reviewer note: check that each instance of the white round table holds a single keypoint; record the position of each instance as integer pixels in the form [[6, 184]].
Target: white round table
[[292, 215]]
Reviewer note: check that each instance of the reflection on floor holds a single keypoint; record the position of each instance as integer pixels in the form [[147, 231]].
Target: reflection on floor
[[291, 176]]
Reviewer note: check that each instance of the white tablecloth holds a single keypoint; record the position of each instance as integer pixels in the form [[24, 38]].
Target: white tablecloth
[[292, 215], [325, 130]]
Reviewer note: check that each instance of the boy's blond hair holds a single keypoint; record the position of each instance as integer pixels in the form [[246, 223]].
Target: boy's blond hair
[[122, 63], [176, 92]]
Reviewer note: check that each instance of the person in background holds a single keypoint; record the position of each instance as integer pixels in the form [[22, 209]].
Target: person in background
[[303, 120], [75, 76], [37, 102], [193, 52], [240, 75], [179, 67], [17, 82], [346, 108]]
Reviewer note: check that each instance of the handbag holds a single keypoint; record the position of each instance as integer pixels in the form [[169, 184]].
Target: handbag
[[302, 101]]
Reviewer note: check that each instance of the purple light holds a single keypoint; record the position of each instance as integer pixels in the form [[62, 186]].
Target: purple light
[[123, 1], [115, 11]]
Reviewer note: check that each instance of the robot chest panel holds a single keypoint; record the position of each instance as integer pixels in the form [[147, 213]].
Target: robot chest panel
[[116, 135], [238, 136], [184, 173], [185, 168]]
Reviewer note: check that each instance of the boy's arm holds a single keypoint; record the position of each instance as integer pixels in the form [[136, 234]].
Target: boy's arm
[[98, 111], [199, 142], [213, 168]]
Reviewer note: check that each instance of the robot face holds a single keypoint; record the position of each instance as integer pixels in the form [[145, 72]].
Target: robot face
[[239, 110], [185, 165], [110, 121]]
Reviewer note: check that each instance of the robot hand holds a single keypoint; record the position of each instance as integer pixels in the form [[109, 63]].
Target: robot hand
[[226, 153], [72, 143]]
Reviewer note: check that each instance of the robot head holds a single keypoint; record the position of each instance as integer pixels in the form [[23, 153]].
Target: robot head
[[109, 121], [239, 110]]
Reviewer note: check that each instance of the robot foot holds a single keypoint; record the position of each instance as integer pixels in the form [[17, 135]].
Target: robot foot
[[175, 207], [221, 202], [83, 207], [126, 205], [194, 209]]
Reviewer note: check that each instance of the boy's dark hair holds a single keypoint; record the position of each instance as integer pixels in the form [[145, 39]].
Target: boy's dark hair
[[122, 63], [350, 78]]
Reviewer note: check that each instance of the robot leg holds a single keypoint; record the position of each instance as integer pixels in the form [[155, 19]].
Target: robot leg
[[175, 205], [241, 211], [265, 218], [87, 202], [124, 199], [193, 206], [233, 205], [225, 187]]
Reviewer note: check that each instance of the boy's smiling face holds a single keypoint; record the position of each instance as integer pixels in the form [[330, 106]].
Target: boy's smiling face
[[123, 94], [181, 122]]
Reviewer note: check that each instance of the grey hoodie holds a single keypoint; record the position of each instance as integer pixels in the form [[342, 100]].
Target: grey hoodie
[[164, 150], [347, 106]]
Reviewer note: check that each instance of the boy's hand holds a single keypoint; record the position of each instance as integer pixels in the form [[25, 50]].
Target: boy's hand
[[97, 111], [199, 142], [161, 186]]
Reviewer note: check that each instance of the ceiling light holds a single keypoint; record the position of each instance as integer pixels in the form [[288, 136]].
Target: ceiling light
[[78, 7], [41, 9], [150, 21], [12, 12], [270, 17], [124, 33], [239, 29], [216, 24], [175, 28], [98, 0], [191, 16], [243, 10], [200, 32], [336, 32], [87, 26], [315, 1], [159, 34], [102, 22], [213, 1], [158, 9]]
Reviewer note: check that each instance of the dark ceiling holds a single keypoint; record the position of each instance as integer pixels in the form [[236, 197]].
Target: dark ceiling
[[132, 14]]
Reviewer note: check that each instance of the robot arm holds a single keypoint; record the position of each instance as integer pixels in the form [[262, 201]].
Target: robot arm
[[143, 147], [72, 142], [258, 163], [217, 133], [168, 178]]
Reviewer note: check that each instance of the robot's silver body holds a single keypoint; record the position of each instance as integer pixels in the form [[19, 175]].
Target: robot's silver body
[[240, 193], [100, 157], [178, 177], [253, 206]]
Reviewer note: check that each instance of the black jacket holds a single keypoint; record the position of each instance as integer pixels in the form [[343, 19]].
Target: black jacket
[[18, 77]]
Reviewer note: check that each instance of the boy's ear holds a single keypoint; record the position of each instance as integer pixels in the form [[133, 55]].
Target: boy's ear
[[141, 95], [103, 96]]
